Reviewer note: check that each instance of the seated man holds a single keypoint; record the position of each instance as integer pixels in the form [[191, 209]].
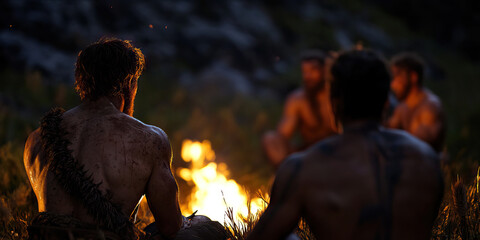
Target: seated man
[[89, 166], [366, 183], [420, 112], [307, 110]]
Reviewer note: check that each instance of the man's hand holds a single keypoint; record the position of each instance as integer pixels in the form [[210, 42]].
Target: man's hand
[[194, 220], [276, 147]]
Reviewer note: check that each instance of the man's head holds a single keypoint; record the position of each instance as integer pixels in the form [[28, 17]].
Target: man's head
[[109, 68], [312, 64], [407, 69], [360, 86]]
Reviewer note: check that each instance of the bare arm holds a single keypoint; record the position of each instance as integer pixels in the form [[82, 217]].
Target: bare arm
[[30, 153], [27, 153], [283, 213], [428, 125], [162, 190], [289, 121]]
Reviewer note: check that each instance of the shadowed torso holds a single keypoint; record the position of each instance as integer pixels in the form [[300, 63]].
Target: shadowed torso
[[114, 149], [365, 182], [315, 121]]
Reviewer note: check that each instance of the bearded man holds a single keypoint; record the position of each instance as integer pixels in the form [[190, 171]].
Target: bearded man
[[420, 111], [89, 166], [307, 110], [367, 182]]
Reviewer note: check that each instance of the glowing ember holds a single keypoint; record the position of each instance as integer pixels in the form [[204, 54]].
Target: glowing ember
[[211, 186]]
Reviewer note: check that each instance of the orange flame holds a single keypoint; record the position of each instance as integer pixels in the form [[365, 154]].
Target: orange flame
[[212, 189]]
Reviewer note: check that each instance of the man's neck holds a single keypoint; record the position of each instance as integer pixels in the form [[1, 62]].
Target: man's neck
[[363, 124], [415, 96], [104, 102]]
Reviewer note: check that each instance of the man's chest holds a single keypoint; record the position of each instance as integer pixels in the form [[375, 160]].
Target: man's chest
[[315, 117], [410, 119]]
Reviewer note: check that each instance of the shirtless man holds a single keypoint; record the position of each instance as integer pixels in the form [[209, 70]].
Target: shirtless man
[[90, 166], [420, 112], [307, 110], [366, 183]]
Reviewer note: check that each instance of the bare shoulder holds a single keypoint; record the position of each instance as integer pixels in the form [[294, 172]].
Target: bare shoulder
[[161, 143], [291, 164], [156, 139], [328, 145], [434, 99], [322, 156], [33, 139], [411, 146], [432, 102], [294, 102], [420, 163], [151, 140], [297, 96], [32, 147], [327, 150], [142, 129], [287, 177]]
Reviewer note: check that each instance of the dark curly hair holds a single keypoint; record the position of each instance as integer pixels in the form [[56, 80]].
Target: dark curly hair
[[360, 86], [411, 62], [108, 67], [313, 55]]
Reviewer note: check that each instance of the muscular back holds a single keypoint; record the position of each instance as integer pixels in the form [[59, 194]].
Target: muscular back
[[127, 157], [366, 183]]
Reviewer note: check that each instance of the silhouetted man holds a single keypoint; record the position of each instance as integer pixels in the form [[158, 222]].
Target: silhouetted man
[[89, 166], [420, 112], [366, 183], [307, 110]]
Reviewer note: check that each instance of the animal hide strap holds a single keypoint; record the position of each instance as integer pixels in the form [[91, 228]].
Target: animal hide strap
[[75, 179]]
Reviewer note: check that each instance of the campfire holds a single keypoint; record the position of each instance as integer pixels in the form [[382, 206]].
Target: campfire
[[212, 189]]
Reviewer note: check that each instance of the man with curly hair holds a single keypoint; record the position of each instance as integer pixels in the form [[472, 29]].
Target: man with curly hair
[[89, 166], [420, 111]]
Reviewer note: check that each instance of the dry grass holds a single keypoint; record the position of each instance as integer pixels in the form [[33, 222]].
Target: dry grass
[[15, 212], [238, 227], [459, 217]]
